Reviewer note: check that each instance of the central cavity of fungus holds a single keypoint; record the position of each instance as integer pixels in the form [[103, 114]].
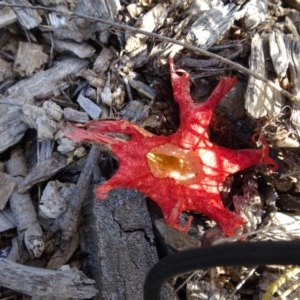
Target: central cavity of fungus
[[184, 171], [171, 161]]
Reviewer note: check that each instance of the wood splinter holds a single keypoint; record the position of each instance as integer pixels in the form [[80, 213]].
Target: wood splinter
[[21, 205]]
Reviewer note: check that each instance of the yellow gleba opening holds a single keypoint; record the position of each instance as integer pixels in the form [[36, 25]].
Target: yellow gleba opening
[[174, 162]]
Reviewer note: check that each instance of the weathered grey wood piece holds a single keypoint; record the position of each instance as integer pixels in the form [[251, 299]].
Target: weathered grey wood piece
[[46, 82], [54, 200], [66, 283], [12, 128], [121, 244], [82, 50], [46, 119], [90, 107], [104, 60], [278, 53], [28, 18], [43, 171], [142, 88], [61, 256], [99, 9], [173, 239], [29, 59], [149, 21], [79, 29], [212, 25], [260, 99], [293, 48], [7, 186], [255, 13], [7, 220], [69, 221], [6, 68], [29, 229], [74, 115], [43, 83], [7, 16]]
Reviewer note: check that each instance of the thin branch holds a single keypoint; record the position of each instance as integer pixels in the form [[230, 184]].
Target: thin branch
[[132, 29]]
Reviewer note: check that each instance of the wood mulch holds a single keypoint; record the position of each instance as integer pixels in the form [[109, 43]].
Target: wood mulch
[[74, 61]]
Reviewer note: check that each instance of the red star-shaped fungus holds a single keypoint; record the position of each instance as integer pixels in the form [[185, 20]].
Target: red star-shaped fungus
[[181, 172]]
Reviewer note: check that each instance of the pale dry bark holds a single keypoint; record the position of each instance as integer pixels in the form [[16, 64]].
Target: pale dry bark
[[32, 281], [28, 226]]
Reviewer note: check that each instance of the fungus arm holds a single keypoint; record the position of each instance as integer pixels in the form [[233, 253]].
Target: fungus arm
[[97, 131], [181, 89]]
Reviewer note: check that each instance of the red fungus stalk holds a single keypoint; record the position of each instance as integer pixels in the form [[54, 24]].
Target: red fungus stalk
[[181, 172]]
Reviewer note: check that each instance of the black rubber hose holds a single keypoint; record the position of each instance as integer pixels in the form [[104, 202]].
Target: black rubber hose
[[229, 254]]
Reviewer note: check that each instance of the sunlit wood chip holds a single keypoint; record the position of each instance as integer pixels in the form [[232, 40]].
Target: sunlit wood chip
[[151, 20], [260, 99], [283, 226], [255, 13], [293, 49], [278, 53], [212, 25]]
